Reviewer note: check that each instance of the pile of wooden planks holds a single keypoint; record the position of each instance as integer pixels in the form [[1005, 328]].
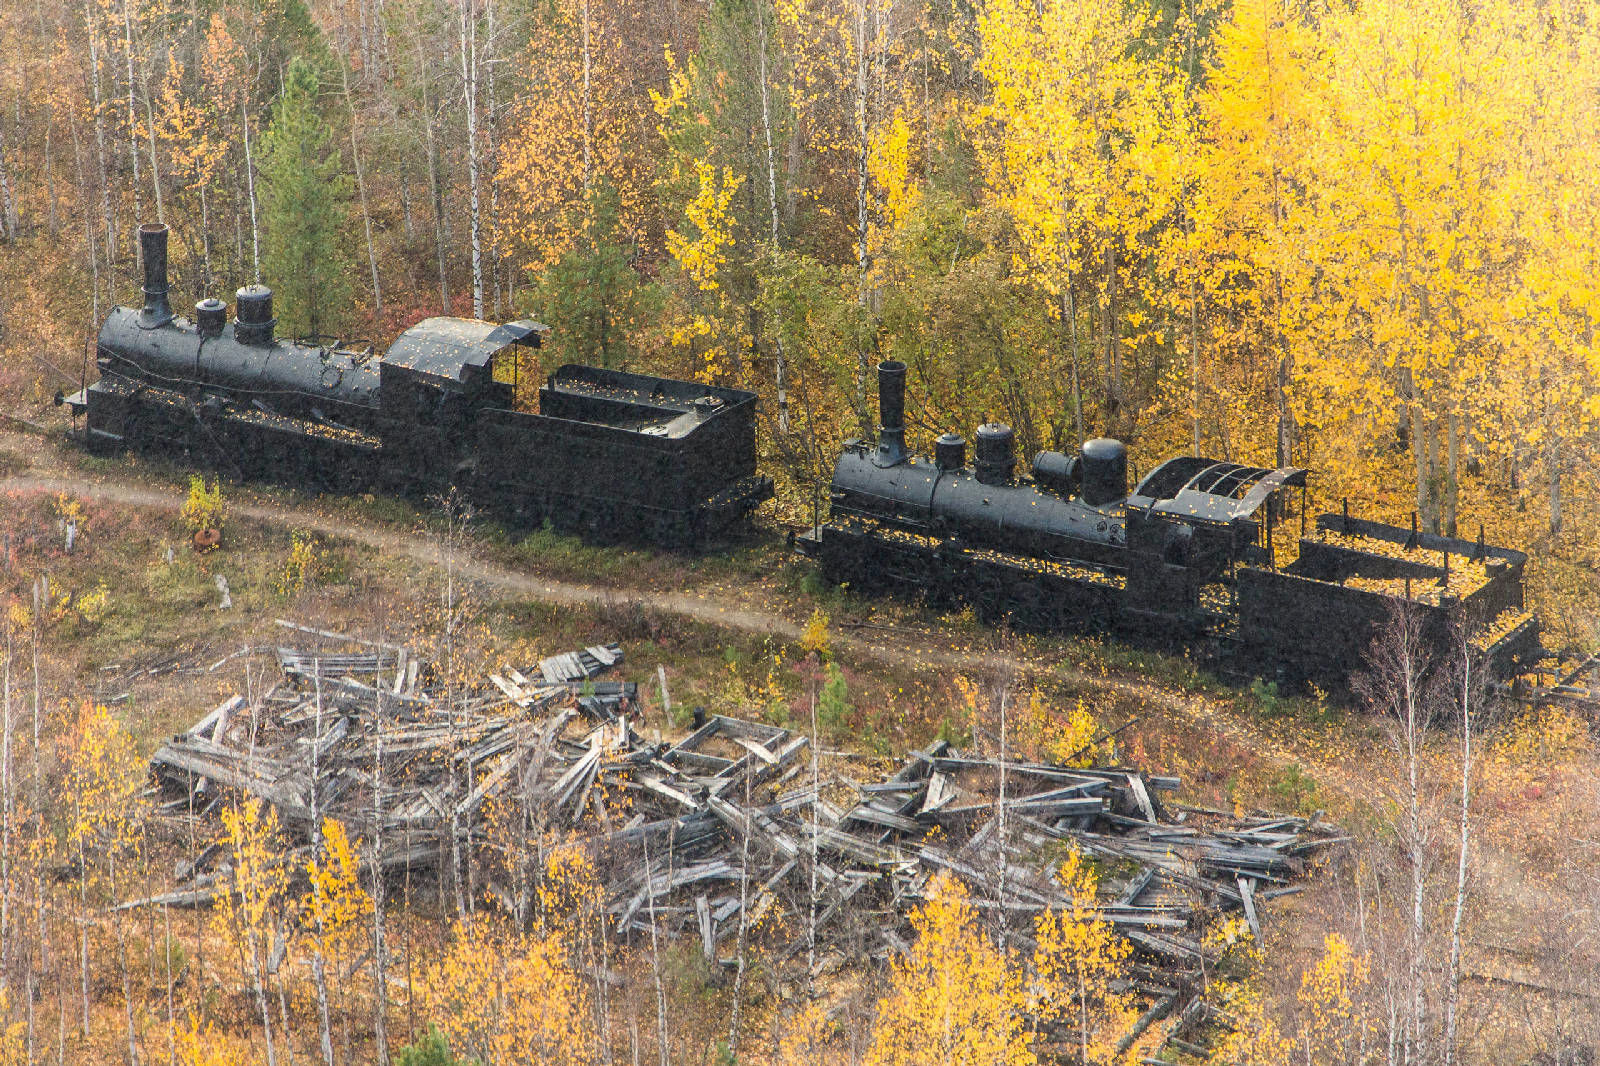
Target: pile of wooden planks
[[361, 736], [738, 826]]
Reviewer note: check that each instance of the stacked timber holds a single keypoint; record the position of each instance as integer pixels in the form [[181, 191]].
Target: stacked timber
[[736, 827]]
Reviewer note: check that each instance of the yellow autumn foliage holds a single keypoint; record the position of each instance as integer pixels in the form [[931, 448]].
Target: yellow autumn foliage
[[335, 907], [955, 999], [507, 998]]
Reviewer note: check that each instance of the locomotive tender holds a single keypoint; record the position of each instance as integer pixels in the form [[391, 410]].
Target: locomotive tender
[[1190, 554], [611, 455]]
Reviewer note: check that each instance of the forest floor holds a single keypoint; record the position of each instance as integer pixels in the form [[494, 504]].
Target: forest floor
[[725, 629]]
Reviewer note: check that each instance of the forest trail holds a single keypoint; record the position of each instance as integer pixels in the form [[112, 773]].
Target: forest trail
[[1342, 772], [891, 646]]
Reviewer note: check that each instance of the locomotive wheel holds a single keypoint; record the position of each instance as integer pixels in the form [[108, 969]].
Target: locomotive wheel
[[990, 596], [1029, 606], [151, 432]]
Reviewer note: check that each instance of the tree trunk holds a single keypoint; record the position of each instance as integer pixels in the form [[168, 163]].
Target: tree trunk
[[133, 122], [100, 138], [250, 188], [155, 164], [744, 899], [6, 937], [1463, 843], [122, 964], [8, 202], [1285, 423], [662, 1039], [1432, 442], [409, 227], [435, 189], [1069, 311], [1194, 364], [380, 978], [1416, 845], [207, 280], [52, 200], [469, 90], [361, 190], [1113, 356], [780, 369], [1419, 447], [1553, 465], [491, 159], [1452, 472], [588, 113], [863, 210]]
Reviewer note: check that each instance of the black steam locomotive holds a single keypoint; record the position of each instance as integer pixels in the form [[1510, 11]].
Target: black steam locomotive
[[610, 455], [1192, 554]]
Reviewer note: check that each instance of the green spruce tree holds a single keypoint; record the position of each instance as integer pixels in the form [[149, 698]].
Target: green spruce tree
[[305, 203], [593, 298]]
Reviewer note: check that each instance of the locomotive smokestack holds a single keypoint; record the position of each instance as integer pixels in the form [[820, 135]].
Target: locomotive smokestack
[[153, 250], [891, 412]]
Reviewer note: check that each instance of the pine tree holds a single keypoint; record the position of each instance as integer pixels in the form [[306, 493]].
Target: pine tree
[[304, 200], [592, 297]]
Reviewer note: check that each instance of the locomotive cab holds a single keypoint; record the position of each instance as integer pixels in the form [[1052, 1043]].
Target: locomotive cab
[[435, 380]]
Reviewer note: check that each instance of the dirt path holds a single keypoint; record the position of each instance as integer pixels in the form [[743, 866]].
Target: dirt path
[[1347, 774], [719, 607], [419, 548]]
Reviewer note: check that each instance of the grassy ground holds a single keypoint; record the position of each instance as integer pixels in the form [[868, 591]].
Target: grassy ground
[[135, 621]]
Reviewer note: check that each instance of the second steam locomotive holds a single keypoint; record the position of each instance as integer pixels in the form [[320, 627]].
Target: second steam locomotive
[[610, 455], [1189, 553]]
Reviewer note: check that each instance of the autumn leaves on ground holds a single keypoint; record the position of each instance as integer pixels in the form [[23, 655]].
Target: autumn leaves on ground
[[1361, 238], [127, 636]]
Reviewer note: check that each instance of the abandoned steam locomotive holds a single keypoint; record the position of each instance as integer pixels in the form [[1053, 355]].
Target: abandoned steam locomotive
[[610, 455], [1190, 554], [1199, 552]]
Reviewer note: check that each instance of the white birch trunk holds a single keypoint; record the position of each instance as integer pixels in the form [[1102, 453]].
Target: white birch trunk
[[588, 109], [1464, 844], [319, 851], [5, 819], [435, 191], [8, 202], [100, 133], [469, 88], [863, 201], [780, 368], [361, 190], [380, 975], [1416, 845], [133, 122], [250, 189], [155, 164]]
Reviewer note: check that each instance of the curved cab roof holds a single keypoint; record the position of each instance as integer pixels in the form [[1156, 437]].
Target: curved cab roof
[[445, 348]]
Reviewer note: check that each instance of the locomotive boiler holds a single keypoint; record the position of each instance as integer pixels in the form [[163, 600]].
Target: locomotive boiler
[[609, 454], [1198, 552]]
